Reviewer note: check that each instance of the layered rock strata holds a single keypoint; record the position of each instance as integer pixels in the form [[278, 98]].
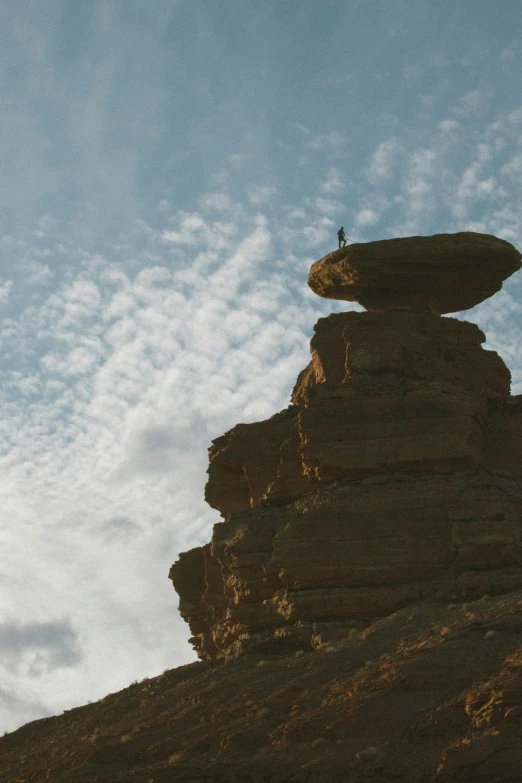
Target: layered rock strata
[[393, 477]]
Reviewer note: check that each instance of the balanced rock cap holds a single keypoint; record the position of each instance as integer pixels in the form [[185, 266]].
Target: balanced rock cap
[[445, 272]]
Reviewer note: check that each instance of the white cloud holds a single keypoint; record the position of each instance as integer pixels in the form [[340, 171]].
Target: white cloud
[[221, 202], [383, 161], [260, 194], [238, 160], [5, 290], [334, 140], [366, 217], [308, 232], [193, 229], [39, 274], [470, 104], [334, 183], [418, 190], [448, 125], [77, 362], [329, 206], [474, 185], [513, 169]]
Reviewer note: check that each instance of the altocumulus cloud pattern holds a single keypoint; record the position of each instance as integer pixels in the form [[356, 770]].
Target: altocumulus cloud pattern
[[169, 176]]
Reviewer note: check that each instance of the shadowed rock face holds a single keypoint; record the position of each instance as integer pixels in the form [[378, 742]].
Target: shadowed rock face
[[395, 476], [446, 273]]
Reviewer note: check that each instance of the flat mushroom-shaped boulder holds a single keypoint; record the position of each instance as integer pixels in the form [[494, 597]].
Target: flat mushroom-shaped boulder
[[445, 272]]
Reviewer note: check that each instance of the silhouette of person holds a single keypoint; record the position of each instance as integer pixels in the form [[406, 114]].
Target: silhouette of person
[[341, 237]]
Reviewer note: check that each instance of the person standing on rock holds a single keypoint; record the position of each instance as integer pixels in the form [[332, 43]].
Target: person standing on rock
[[341, 237]]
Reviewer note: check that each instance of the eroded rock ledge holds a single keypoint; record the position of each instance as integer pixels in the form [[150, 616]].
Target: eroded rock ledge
[[395, 476]]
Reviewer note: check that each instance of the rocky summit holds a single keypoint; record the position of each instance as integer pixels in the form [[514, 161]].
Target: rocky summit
[[446, 273], [357, 613]]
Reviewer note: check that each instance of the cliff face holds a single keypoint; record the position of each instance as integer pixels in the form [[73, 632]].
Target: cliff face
[[393, 477]]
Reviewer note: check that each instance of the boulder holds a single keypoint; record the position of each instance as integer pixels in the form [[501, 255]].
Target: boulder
[[446, 273]]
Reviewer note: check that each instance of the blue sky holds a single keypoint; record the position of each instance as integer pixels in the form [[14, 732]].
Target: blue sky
[[170, 170]]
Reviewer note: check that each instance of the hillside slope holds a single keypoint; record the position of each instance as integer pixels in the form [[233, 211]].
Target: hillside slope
[[430, 693]]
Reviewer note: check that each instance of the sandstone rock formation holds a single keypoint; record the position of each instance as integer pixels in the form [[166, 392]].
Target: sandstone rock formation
[[445, 272], [394, 477]]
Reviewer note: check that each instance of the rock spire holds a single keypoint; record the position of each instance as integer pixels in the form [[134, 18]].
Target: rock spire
[[393, 477]]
